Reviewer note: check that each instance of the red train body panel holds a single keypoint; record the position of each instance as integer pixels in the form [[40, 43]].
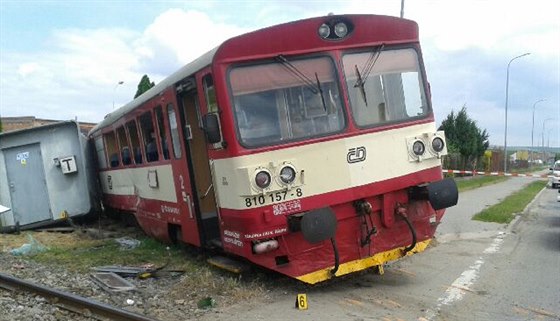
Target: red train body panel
[[308, 148]]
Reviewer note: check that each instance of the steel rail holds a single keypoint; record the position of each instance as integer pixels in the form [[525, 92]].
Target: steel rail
[[72, 302]]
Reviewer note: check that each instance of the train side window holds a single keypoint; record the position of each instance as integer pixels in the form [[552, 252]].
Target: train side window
[[125, 149], [211, 120], [100, 151], [149, 136], [172, 118], [211, 101], [112, 149], [162, 136], [134, 141]]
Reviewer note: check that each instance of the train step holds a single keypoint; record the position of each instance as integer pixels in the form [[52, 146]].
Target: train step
[[215, 243], [228, 264]]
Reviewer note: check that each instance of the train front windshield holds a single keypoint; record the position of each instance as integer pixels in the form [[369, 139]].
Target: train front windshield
[[286, 100], [295, 99], [384, 86]]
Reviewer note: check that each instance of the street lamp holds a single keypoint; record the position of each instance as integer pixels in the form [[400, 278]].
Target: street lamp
[[507, 91], [533, 128], [548, 139], [544, 123], [114, 90], [542, 136]]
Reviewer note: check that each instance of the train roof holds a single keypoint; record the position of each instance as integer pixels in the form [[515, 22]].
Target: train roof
[[186, 71], [389, 29], [301, 36]]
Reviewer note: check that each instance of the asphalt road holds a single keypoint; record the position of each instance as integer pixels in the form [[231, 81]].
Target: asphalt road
[[476, 271], [521, 281], [457, 222]]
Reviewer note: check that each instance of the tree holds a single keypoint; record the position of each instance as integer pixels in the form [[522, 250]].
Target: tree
[[144, 85], [464, 137]]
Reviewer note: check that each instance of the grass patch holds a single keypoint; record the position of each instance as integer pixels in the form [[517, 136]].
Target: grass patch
[[200, 280], [80, 257], [468, 183], [529, 170], [78, 253], [504, 211]]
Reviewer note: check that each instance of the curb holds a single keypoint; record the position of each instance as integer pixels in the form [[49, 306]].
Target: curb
[[513, 224]]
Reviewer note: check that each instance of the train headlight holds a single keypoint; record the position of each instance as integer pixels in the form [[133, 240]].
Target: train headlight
[[438, 144], [341, 30], [263, 179], [418, 148], [324, 31], [287, 174], [335, 28]]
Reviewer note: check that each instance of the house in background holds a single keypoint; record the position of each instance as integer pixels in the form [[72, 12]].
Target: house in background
[[16, 123], [520, 155]]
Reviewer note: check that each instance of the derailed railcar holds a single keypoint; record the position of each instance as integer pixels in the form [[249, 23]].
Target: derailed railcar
[[46, 175], [308, 148]]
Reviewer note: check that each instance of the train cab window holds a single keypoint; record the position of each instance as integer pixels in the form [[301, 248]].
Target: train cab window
[[125, 149], [172, 119], [384, 86], [286, 100], [112, 149], [161, 131], [134, 141], [100, 151], [149, 136]]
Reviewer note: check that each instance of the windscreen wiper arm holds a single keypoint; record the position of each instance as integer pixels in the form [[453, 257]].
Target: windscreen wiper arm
[[321, 92], [298, 74], [360, 84], [314, 88], [368, 67]]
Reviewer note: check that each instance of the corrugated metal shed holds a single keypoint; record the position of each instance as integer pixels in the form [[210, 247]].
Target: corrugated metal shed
[[46, 174]]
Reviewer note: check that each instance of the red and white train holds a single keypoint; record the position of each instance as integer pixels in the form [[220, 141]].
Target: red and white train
[[308, 148]]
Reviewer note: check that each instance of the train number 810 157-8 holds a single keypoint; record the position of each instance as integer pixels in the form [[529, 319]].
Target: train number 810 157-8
[[273, 197]]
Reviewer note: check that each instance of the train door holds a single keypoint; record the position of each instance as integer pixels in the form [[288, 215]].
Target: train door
[[201, 179], [186, 229]]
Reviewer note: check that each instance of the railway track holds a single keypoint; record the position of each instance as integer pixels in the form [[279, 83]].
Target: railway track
[[71, 302]]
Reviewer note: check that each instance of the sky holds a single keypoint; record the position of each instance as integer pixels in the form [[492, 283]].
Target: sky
[[65, 59]]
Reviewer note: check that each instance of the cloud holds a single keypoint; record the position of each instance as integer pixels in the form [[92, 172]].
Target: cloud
[[72, 76], [78, 71], [27, 68], [177, 37], [466, 47], [93, 57]]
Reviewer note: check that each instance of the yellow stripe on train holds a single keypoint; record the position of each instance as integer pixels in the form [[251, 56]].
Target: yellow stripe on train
[[362, 264]]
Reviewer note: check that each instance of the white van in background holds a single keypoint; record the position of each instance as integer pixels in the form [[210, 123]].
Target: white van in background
[[555, 174]]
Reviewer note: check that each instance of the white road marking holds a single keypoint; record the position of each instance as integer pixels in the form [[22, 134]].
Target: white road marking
[[462, 284]]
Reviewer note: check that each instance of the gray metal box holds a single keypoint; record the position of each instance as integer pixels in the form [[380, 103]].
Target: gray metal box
[[46, 174]]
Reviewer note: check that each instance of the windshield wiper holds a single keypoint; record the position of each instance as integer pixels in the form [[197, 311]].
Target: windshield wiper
[[298, 74], [321, 92], [368, 67], [314, 88], [360, 83]]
